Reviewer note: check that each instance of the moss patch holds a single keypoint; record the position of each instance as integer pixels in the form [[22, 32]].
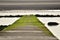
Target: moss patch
[[29, 19]]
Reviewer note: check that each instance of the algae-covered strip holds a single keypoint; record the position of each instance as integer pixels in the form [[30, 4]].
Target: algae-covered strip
[[30, 19]]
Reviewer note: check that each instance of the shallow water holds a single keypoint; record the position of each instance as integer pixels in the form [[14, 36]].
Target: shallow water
[[28, 12]]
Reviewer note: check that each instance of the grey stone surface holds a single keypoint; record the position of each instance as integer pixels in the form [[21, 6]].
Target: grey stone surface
[[28, 32]]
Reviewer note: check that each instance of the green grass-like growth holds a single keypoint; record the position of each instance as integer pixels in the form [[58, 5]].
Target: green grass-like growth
[[20, 22], [25, 20]]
